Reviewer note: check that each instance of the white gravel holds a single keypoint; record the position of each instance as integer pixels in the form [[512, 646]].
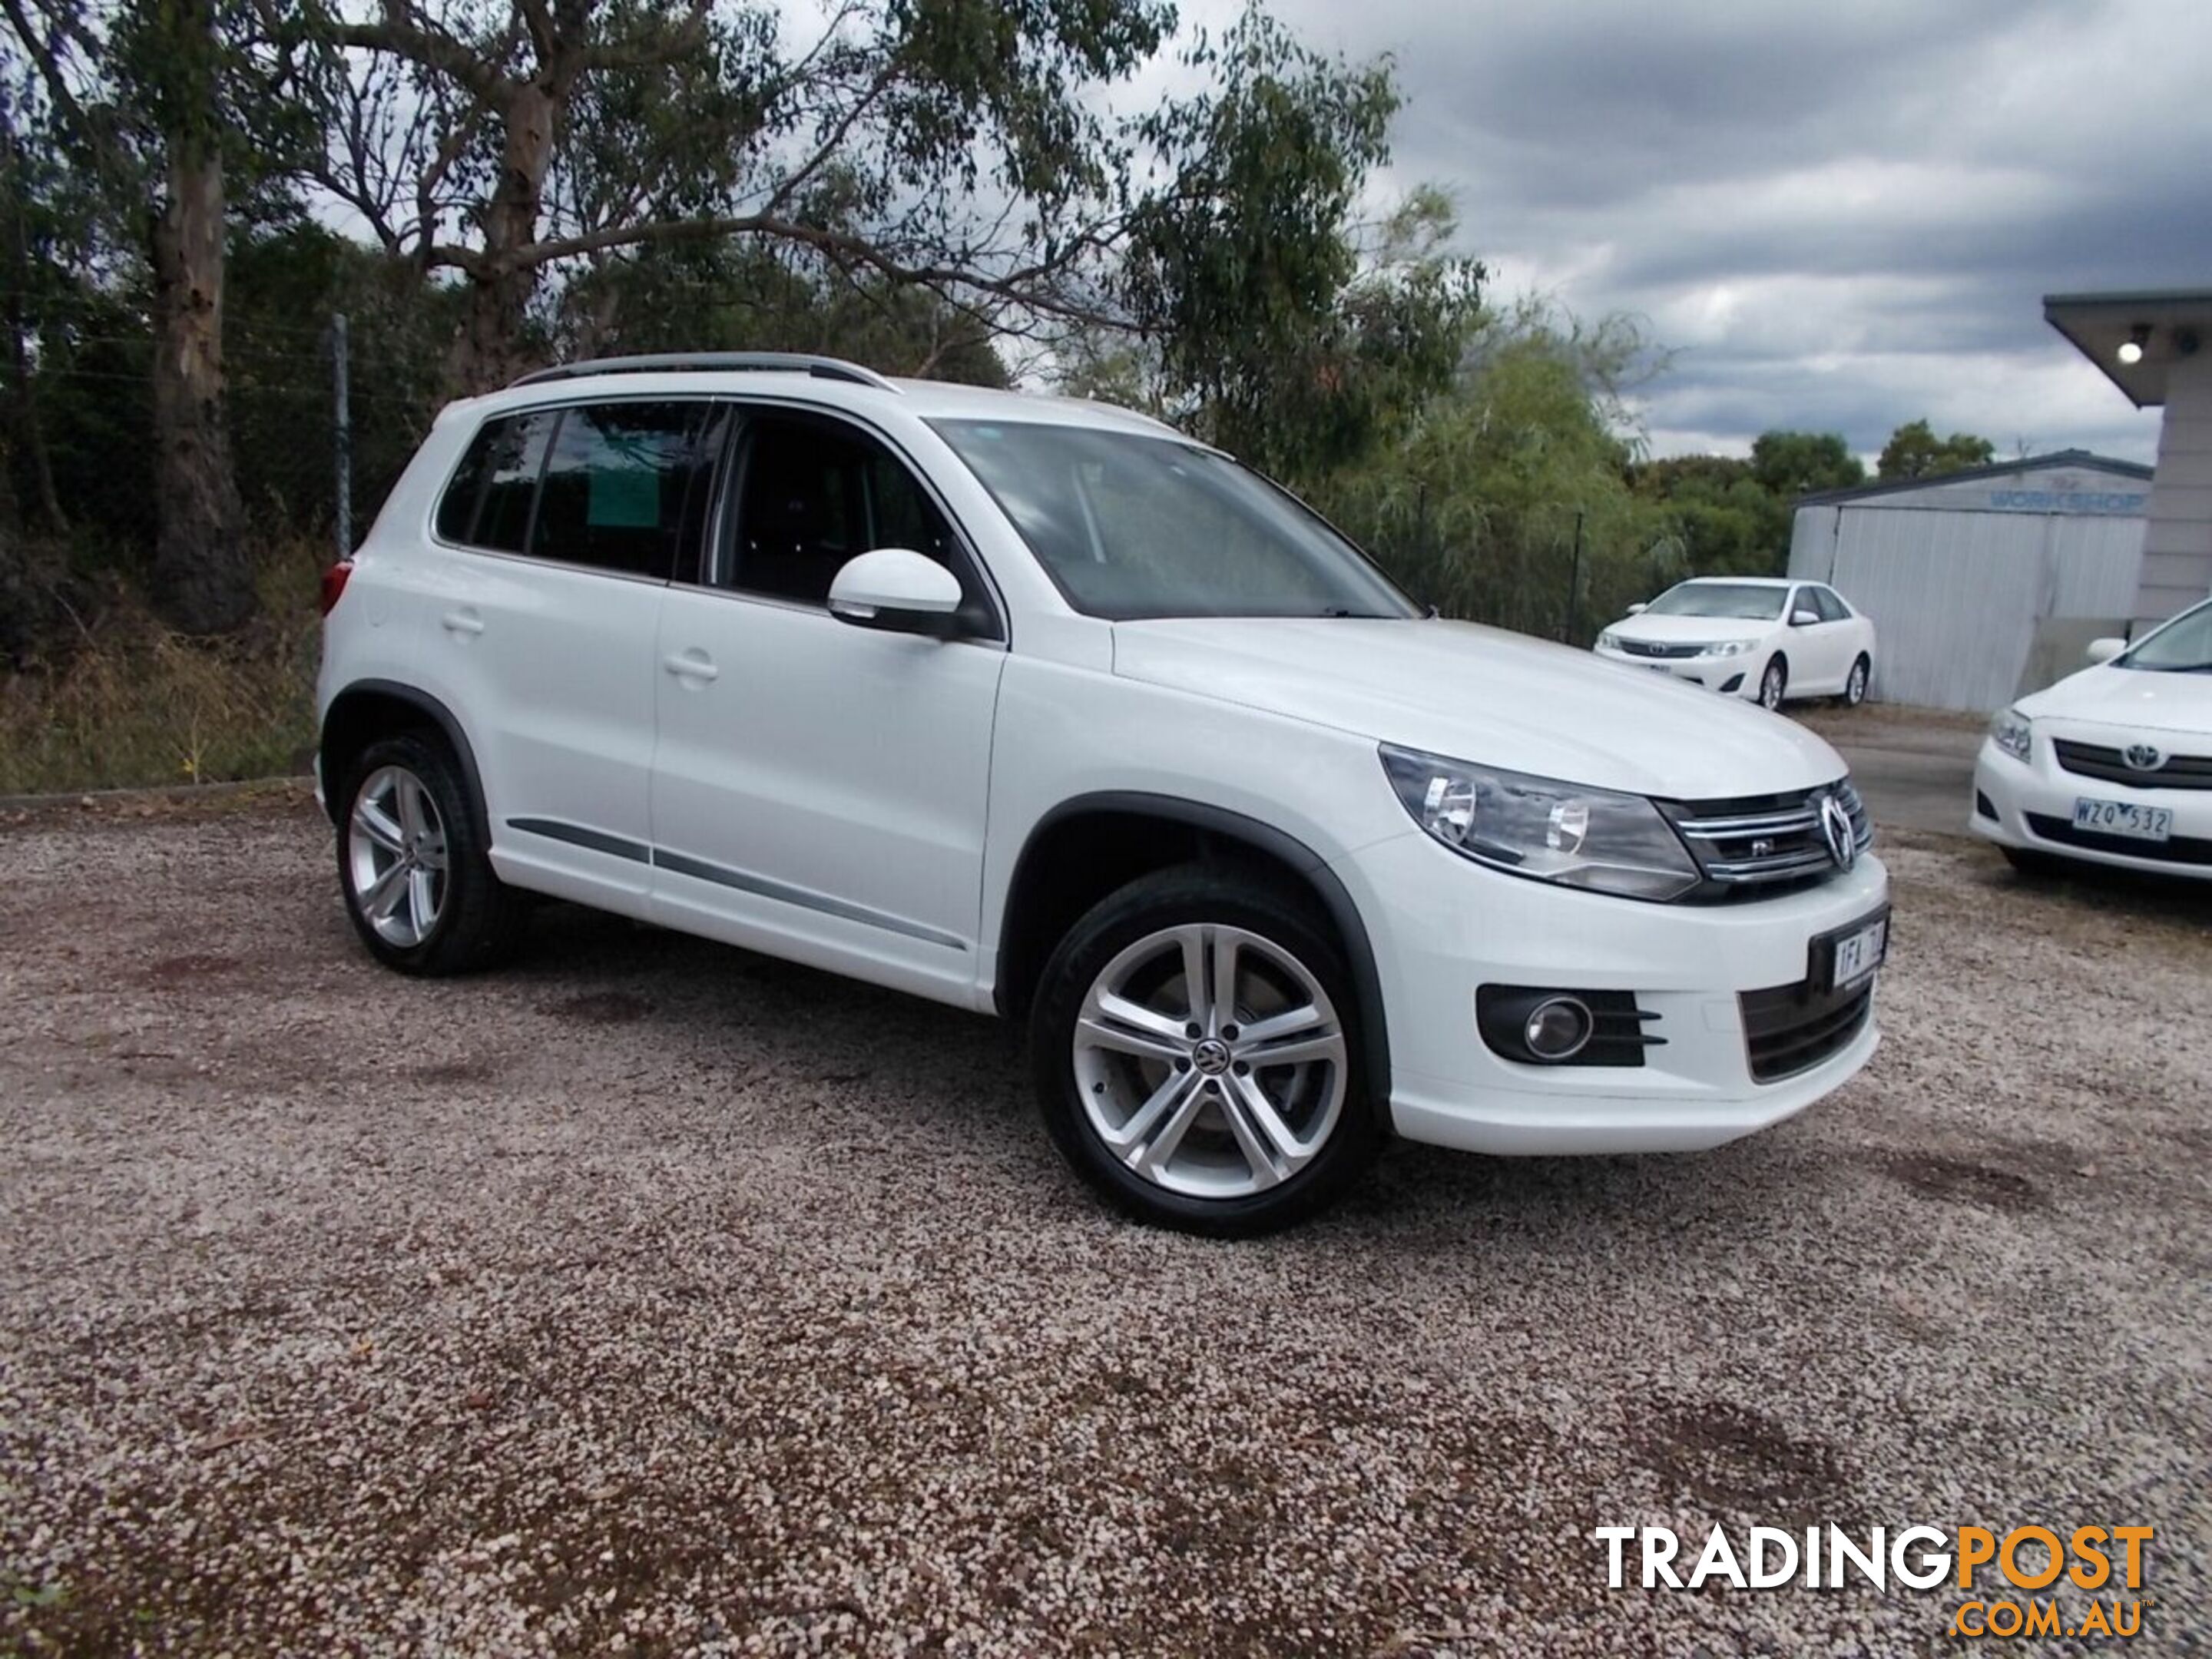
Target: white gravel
[[649, 1296]]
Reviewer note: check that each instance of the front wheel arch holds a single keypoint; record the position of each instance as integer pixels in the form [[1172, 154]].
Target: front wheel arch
[[1212, 831]]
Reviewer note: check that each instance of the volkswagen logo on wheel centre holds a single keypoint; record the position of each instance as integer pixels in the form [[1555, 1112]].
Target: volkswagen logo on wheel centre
[[1836, 831], [2143, 758]]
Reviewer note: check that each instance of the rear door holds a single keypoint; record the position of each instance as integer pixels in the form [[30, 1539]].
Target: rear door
[[1837, 638], [561, 527], [819, 789]]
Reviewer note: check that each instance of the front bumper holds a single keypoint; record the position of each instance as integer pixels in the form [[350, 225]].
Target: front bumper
[[1734, 676], [2029, 805], [1442, 926]]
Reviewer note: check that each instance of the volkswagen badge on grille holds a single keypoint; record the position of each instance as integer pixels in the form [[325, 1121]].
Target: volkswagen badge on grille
[[2143, 758], [1836, 831]]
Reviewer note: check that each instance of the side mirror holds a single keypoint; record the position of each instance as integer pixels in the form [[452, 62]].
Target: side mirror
[[1637, 609], [2105, 649], [1802, 617], [898, 590]]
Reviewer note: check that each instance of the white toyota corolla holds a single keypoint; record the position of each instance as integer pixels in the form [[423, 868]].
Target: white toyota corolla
[[1761, 637], [2113, 765]]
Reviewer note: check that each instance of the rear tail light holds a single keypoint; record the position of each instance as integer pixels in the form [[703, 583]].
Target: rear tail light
[[334, 584]]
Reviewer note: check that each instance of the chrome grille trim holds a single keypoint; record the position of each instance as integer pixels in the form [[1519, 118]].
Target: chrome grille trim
[[1726, 838]]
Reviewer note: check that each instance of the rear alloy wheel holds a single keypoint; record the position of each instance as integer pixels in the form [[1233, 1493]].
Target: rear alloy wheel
[[1854, 688], [1195, 1056], [418, 886], [395, 857], [1772, 683]]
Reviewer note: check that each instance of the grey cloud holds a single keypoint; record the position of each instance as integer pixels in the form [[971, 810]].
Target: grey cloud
[[1883, 189]]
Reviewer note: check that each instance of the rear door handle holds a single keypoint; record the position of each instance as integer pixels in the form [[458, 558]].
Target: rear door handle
[[690, 665], [461, 622]]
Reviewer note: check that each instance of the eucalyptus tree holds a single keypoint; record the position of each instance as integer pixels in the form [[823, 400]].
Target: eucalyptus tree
[[959, 147], [155, 105]]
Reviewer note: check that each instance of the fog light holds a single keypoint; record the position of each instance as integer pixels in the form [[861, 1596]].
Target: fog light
[[1559, 1029]]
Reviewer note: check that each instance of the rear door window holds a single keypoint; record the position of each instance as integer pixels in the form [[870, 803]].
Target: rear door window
[[616, 486]]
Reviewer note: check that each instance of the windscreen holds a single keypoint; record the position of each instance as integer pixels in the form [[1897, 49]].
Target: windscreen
[[1745, 599], [1131, 526], [2183, 646]]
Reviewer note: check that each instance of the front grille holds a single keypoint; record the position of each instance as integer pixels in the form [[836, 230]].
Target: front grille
[[2181, 849], [1765, 841], [2095, 760], [1645, 648], [1789, 1029]]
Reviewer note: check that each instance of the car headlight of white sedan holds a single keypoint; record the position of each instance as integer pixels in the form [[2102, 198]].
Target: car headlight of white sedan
[[2014, 732], [1554, 831], [1728, 648], [1608, 641]]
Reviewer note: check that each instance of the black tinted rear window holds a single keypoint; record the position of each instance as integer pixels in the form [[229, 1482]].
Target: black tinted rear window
[[487, 502]]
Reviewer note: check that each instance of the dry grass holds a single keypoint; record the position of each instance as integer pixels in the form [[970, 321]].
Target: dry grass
[[136, 704]]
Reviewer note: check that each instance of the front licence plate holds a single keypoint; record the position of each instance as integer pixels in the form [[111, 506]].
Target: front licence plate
[[1857, 953], [2123, 818]]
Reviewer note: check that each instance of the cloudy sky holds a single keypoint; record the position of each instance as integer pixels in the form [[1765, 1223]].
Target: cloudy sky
[[1841, 217]]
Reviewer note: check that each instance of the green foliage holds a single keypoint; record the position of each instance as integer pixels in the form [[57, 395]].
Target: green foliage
[[1243, 276], [735, 296], [1477, 503], [1717, 516], [1915, 451], [1788, 465]]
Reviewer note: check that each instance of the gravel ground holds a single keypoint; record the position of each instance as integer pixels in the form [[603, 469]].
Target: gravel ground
[[653, 1297]]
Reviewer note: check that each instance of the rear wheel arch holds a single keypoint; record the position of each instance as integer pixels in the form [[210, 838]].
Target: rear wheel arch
[[1092, 844], [368, 710]]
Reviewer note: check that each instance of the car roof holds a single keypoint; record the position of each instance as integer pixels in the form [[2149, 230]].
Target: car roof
[[825, 384], [1741, 581]]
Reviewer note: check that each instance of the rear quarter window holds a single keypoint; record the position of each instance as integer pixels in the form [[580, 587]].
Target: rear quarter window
[[487, 502]]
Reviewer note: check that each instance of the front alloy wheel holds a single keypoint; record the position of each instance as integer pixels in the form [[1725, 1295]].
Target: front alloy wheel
[[1197, 1054], [1772, 684], [1209, 1061]]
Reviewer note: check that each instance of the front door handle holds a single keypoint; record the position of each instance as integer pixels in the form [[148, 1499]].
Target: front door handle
[[692, 664], [461, 622]]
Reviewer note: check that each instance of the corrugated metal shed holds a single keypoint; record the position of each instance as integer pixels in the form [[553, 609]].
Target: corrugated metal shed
[[1957, 571]]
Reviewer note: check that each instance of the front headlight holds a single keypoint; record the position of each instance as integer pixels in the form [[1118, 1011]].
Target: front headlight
[[2014, 733], [1728, 648], [1561, 832], [1608, 641]]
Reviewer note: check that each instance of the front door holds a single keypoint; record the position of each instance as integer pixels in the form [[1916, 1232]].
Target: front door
[[819, 789]]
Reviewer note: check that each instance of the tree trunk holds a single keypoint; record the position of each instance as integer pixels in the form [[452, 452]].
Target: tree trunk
[[491, 350], [202, 578]]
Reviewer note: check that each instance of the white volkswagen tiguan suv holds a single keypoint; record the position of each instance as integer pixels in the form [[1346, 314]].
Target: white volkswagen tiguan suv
[[1037, 707]]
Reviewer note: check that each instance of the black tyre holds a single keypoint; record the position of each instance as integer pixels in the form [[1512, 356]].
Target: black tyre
[[1855, 685], [1774, 683], [1234, 1109], [2029, 862], [416, 879]]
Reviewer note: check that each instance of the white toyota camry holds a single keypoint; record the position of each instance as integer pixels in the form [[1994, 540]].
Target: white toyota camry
[[1759, 637], [2113, 765]]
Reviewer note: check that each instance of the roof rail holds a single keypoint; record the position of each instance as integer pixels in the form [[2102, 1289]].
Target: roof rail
[[689, 363]]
